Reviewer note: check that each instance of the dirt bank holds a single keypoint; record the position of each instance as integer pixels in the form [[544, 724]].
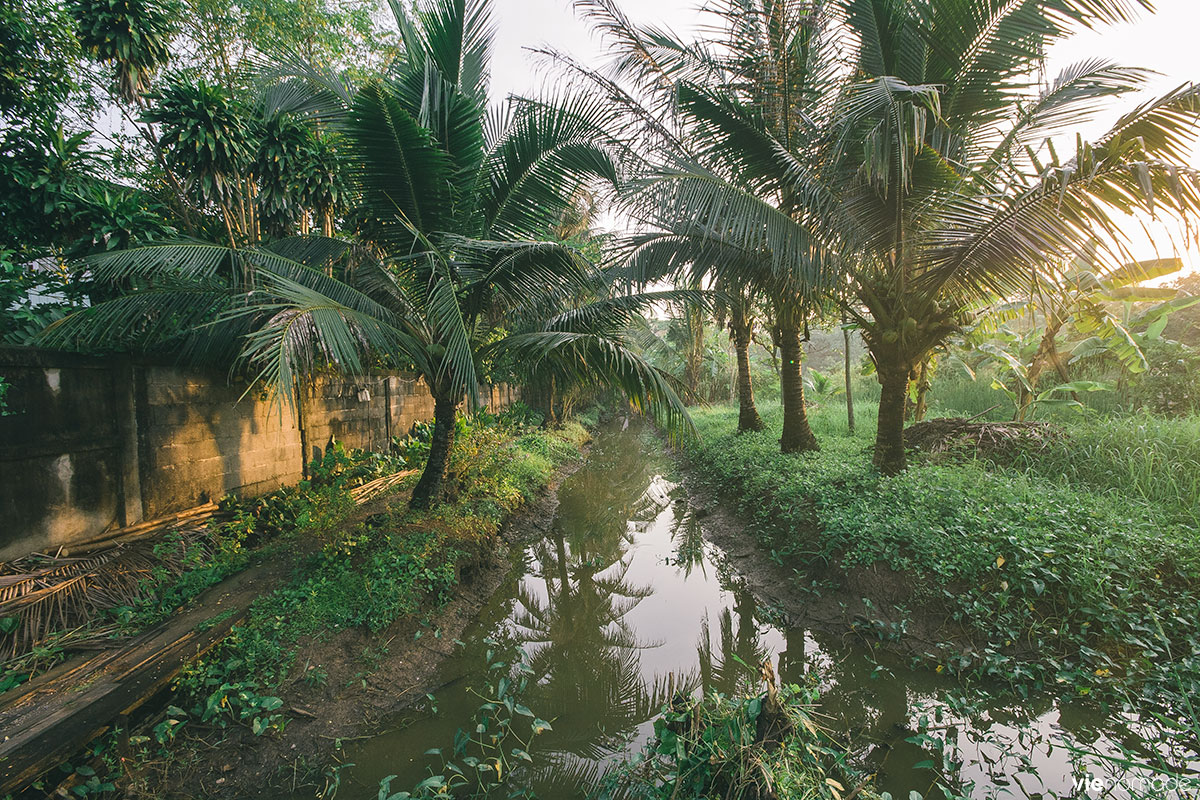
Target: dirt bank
[[876, 603], [344, 687]]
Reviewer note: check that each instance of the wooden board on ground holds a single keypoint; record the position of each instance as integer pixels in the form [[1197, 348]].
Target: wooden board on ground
[[47, 721]]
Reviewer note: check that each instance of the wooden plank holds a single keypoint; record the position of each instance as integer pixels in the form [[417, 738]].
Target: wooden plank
[[46, 722]]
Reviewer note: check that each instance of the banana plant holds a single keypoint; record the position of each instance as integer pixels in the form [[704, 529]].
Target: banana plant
[[1101, 310], [821, 385]]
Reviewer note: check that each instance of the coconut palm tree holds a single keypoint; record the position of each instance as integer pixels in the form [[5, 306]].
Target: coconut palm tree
[[950, 186], [914, 157], [449, 268], [695, 201]]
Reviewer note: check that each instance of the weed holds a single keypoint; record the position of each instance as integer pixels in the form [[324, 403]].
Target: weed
[[751, 746], [489, 750]]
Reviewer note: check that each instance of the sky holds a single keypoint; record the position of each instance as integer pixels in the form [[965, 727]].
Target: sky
[[1165, 41]]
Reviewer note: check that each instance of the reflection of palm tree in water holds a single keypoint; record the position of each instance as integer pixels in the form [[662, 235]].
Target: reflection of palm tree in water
[[719, 669], [689, 543], [570, 616], [584, 656]]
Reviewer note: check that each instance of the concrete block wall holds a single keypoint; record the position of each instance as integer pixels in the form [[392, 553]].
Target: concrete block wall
[[90, 444], [199, 439], [61, 451]]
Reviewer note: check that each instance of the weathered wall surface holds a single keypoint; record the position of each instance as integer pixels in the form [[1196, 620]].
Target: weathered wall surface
[[91, 444], [199, 439]]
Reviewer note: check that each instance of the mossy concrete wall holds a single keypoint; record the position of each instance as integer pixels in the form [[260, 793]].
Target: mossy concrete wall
[[89, 444]]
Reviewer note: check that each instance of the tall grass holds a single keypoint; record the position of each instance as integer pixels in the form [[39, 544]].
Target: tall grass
[[1129, 455], [1139, 457]]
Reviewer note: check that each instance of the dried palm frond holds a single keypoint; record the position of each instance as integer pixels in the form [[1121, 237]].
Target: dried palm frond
[[961, 436], [42, 594], [373, 489]]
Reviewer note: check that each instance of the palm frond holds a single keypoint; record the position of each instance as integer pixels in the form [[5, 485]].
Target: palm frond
[[306, 331], [590, 358], [539, 161], [403, 176], [739, 217]]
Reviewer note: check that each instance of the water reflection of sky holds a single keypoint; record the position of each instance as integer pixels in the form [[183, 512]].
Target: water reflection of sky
[[624, 601]]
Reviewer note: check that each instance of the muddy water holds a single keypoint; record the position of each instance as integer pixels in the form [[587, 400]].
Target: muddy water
[[623, 598]]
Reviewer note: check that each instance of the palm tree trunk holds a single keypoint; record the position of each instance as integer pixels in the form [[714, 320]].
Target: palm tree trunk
[[889, 435], [797, 435], [551, 404], [428, 491], [849, 387], [748, 417], [694, 359]]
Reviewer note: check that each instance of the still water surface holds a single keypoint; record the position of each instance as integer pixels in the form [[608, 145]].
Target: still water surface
[[623, 598]]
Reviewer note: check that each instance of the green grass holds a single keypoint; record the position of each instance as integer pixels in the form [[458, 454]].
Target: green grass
[[1136, 456], [1139, 457], [1076, 581]]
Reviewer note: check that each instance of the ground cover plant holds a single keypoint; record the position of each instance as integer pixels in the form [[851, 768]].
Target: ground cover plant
[[394, 564], [1063, 580]]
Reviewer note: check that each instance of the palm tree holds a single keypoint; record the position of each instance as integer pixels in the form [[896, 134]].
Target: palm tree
[[740, 307], [701, 204], [951, 190], [450, 268], [687, 253], [905, 146]]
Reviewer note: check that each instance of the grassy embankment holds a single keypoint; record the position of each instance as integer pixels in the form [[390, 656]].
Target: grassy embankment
[[370, 573], [1076, 566]]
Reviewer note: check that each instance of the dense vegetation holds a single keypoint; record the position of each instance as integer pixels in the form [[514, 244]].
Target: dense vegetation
[[1064, 581], [394, 564], [875, 212]]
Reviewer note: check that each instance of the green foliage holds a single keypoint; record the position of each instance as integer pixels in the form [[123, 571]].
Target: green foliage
[[369, 574], [735, 747], [205, 133], [1065, 581], [314, 508], [339, 34], [297, 170], [1151, 460], [1171, 383], [55, 205], [38, 55], [131, 35]]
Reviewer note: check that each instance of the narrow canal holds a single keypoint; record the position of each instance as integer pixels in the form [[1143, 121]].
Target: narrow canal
[[623, 599]]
